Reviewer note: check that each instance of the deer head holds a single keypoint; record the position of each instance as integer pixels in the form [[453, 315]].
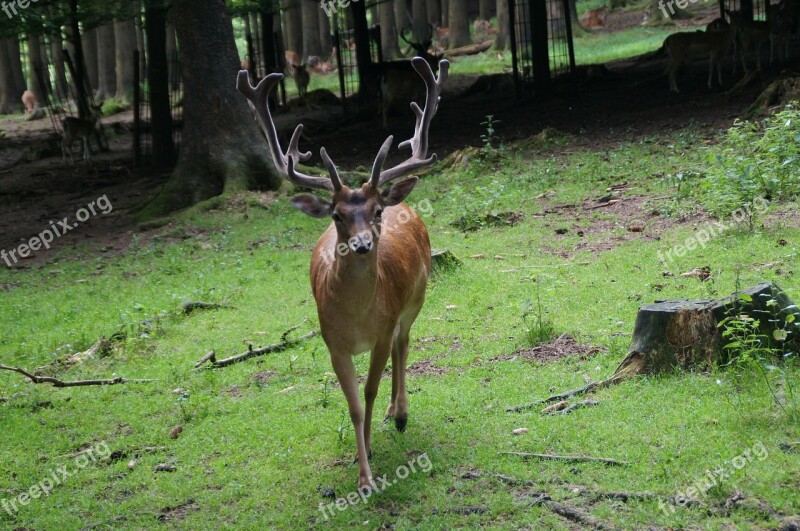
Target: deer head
[[421, 48], [356, 212]]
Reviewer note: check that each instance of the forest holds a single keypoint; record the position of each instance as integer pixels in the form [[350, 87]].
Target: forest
[[399, 264]]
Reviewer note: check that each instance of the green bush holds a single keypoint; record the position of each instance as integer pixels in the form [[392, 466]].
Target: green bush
[[757, 161]]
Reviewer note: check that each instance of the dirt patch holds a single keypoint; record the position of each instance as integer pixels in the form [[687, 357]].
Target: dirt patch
[[179, 512], [262, 378], [562, 347], [425, 367]]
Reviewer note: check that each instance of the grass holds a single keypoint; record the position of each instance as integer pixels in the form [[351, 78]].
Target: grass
[[263, 439]]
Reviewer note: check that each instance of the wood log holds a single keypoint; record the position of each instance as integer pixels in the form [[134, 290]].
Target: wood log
[[686, 334], [470, 49]]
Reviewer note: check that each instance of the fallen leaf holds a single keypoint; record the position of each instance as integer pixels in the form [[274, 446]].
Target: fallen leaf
[[555, 407], [519, 431], [176, 432]]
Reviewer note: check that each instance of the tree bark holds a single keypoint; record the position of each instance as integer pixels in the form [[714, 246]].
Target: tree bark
[[400, 15], [57, 54], [502, 41], [223, 150], [172, 57], [459, 24], [445, 14], [124, 46], [434, 9], [158, 83], [325, 39], [34, 65], [294, 26], [9, 99], [15, 61], [485, 9], [419, 16], [106, 62], [391, 49], [311, 45], [90, 57]]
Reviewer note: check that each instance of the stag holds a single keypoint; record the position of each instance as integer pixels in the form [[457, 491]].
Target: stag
[[369, 269]]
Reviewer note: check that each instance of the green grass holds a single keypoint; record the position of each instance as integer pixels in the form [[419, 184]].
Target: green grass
[[256, 452], [592, 48]]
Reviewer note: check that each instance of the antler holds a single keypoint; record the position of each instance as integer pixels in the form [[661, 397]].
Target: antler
[[284, 162], [419, 142]]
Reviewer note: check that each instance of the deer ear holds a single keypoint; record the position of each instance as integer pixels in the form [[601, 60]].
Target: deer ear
[[312, 205], [399, 191]]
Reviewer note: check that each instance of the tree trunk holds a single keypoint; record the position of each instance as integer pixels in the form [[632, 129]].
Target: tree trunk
[[445, 14], [106, 62], [434, 9], [223, 150], [389, 43], [485, 9], [311, 45], [419, 14], [459, 24], [687, 334], [503, 32], [172, 57], [57, 54], [45, 79], [9, 99], [294, 27], [124, 45], [158, 83], [90, 57], [400, 15], [255, 28], [34, 65], [15, 61], [325, 39]]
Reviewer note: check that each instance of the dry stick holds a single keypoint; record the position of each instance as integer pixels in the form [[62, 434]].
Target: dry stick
[[571, 513], [577, 458], [60, 383], [617, 378], [277, 347], [573, 407]]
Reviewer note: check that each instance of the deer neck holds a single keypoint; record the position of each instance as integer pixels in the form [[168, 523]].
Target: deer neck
[[353, 279]]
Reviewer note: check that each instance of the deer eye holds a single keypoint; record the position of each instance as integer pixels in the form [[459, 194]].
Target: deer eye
[[379, 213], [336, 217]]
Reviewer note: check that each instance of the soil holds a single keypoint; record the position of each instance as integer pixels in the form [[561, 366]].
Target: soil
[[561, 347], [599, 108]]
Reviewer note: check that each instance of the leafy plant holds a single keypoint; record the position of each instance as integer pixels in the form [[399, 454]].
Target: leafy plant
[[488, 136], [540, 328]]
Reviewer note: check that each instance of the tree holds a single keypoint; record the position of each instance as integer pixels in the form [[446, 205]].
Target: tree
[[9, 92], [124, 45], [35, 65], [485, 9], [502, 40], [391, 50], [419, 14], [325, 38], [294, 26], [459, 24], [434, 9], [400, 15], [90, 56], [223, 149], [158, 82], [310, 13], [106, 62]]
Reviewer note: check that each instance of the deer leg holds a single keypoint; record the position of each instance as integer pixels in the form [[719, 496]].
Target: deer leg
[[377, 363], [346, 374], [400, 399], [390, 412]]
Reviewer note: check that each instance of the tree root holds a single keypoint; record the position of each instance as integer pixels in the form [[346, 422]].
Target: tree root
[[60, 383], [284, 344], [617, 378], [573, 407], [570, 513]]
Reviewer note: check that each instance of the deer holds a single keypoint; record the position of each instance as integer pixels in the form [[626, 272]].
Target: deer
[[29, 101], [399, 81], [301, 78], [595, 18], [369, 269], [711, 43], [750, 34], [77, 128]]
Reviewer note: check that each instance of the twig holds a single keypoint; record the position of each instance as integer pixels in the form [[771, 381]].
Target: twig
[[617, 378], [277, 347], [575, 458], [570, 513], [60, 383], [190, 306], [573, 407]]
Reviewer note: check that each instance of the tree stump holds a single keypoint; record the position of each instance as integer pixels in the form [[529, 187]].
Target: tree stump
[[686, 334]]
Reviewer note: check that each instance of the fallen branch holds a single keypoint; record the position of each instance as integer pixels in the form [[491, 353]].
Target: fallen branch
[[573, 458], [190, 306], [573, 407], [470, 49], [60, 383], [284, 344], [617, 378], [570, 513]]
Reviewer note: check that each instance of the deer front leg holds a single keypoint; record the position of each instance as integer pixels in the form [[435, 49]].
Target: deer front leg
[[346, 374], [400, 398], [377, 363]]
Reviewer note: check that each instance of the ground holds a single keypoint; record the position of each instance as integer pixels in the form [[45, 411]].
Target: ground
[[562, 221]]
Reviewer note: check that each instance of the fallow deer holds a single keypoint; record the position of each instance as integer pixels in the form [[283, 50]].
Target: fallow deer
[[29, 101], [595, 18], [369, 270], [695, 44], [750, 34], [75, 129]]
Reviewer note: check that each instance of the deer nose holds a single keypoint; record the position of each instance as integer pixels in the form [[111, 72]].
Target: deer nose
[[364, 248]]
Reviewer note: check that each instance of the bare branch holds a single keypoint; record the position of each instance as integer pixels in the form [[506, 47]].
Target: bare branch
[[60, 383], [284, 344], [574, 458]]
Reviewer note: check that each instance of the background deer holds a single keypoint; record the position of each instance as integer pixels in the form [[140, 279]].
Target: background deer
[[712, 43], [370, 268], [595, 18], [76, 128], [749, 34], [29, 101]]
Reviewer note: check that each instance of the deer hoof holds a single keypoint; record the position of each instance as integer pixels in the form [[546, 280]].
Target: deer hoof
[[400, 424]]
